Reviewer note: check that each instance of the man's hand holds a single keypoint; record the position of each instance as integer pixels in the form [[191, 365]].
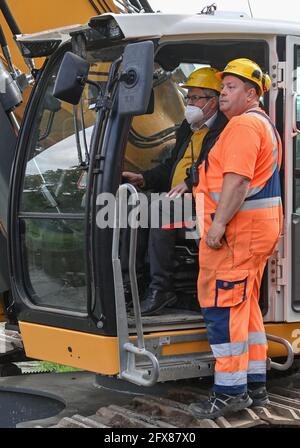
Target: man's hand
[[133, 178], [178, 191], [234, 192], [215, 235]]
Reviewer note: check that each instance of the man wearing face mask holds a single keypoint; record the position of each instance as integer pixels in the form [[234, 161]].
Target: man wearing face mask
[[197, 134]]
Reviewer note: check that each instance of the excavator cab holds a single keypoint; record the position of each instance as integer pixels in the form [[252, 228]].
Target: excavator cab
[[108, 99]]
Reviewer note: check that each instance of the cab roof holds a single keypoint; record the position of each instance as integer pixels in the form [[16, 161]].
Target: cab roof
[[160, 25]]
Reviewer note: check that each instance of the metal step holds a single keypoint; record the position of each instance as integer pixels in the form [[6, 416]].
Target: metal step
[[182, 367]]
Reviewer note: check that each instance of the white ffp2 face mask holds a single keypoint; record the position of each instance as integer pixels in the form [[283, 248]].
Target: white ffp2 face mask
[[193, 114]]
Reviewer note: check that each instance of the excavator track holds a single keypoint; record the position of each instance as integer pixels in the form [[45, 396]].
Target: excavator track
[[171, 412]]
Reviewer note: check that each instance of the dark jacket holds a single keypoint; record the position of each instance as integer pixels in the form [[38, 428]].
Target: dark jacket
[[160, 177]]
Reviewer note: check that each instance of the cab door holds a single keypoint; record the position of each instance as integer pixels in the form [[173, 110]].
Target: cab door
[[292, 180], [48, 217]]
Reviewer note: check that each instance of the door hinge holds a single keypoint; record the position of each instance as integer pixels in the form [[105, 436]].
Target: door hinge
[[279, 75], [278, 271]]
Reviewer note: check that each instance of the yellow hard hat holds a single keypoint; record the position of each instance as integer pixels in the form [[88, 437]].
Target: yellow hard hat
[[204, 78], [249, 70]]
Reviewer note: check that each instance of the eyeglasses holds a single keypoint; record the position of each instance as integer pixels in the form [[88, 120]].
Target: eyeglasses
[[194, 98]]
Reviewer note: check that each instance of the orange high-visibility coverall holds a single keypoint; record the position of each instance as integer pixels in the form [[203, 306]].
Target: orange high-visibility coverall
[[229, 278]]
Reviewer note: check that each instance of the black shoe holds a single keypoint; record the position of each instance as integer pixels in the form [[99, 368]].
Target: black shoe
[[259, 396], [218, 405], [155, 300]]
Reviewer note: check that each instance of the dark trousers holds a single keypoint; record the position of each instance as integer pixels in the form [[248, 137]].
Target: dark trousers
[[162, 258]]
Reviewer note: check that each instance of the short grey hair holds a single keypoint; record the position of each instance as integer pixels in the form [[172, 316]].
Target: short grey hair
[[210, 92]]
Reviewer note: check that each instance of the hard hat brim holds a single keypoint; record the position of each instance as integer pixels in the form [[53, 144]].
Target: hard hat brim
[[220, 75], [187, 86], [184, 86]]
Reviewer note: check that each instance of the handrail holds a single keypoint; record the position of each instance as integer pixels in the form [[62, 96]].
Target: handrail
[[141, 377], [132, 271], [127, 350], [290, 353]]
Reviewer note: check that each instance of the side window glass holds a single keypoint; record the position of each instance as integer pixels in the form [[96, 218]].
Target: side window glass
[[53, 199], [55, 175]]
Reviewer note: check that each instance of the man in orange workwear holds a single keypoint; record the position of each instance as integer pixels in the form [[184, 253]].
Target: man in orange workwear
[[242, 223]]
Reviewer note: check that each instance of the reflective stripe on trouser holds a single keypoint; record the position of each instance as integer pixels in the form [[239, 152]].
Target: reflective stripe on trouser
[[238, 342], [257, 341]]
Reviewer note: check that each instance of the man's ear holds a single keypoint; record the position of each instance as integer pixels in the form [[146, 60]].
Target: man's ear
[[251, 94]]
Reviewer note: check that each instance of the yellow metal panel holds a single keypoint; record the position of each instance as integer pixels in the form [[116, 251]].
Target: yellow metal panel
[[38, 15], [181, 348], [290, 332], [99, 354], [90, 352]]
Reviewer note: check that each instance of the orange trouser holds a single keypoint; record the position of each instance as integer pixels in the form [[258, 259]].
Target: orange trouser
[[228, 289]]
